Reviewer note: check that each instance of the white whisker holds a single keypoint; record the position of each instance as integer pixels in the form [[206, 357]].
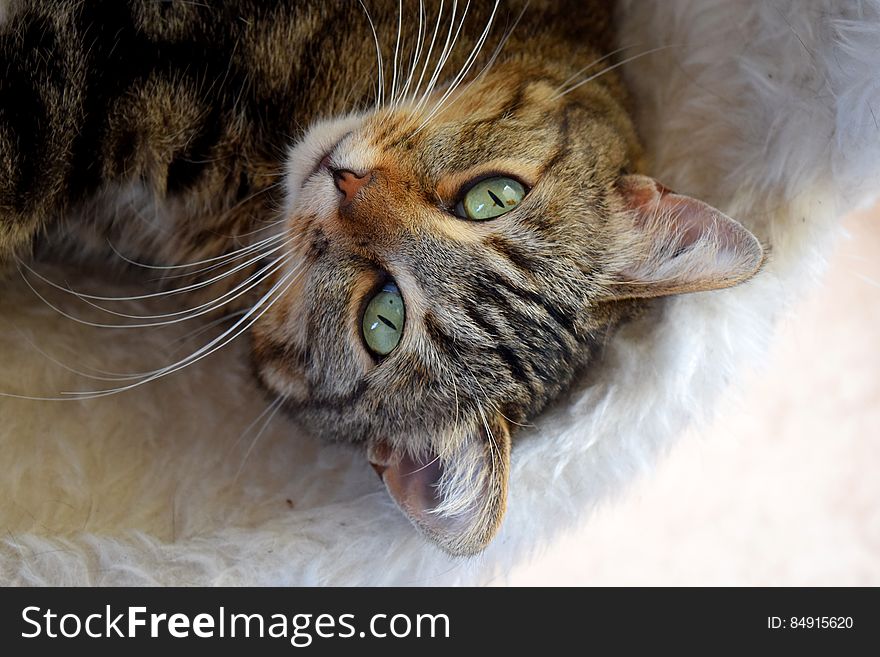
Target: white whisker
[[254, 422], [207, 327], [168, 293], [165, 293], [203, 309], [494, 56], [418, 86], [444, 55], [239, 290], [101, 376], [574, 76], [417, 51], [231, 334], [427, 465], [455, 392], [466, 67], [493, 443], [221, 258], [272, 409], [396, 50], [610, 68], [380, 82]]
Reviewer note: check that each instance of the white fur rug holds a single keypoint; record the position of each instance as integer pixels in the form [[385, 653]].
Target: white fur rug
[[766, 109]]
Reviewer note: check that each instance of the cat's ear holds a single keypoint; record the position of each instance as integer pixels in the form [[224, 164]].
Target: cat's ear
[[458, 500], [673, 244]]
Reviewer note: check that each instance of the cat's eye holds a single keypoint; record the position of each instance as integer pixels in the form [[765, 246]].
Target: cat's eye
[[383, 320], [490, 198]]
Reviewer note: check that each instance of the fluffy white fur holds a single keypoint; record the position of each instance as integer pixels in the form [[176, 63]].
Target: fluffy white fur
[[767, 110]]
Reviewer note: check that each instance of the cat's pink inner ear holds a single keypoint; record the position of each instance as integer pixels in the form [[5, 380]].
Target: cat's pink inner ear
[[457, 502], [412, 482], [672, 243]]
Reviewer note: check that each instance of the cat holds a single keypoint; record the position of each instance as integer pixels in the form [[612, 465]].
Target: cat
[[430, 216]]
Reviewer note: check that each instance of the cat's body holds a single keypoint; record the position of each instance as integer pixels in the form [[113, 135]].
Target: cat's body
[[182, 132]]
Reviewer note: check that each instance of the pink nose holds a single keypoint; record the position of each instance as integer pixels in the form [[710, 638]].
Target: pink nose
[[349, 183]]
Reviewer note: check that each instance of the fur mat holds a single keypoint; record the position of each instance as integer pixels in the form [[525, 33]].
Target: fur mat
[[767, 110]]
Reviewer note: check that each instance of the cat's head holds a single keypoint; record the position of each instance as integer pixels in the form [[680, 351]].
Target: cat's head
[[451, 272]]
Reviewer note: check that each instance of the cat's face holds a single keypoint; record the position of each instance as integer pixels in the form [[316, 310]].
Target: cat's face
[[451, 272]]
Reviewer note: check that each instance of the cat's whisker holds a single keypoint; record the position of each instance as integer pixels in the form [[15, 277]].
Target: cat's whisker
[[226, 259], [493, 443], [444, 54], [480, 386], [415, 91], [164, 293], [396, 51], [207, 327], [380, 80], [237, 237], [101, 376], [260, 255], [494, 448], [269, 226], [214, 260], [407, 55], [133, 376], [528, 425], [571, 78], [240, 290], [503, 41], [611, 68], [218, 261], [205, 308], [253, 423], [492, 59], [473, 376], [475, 51], [272, 410], [455, 393], [432, 80], [192, 274], [225, 213], [427, 465], [106, 375], [465, 497], [466, 67], [417, 51], [228, 336], [249, 318]]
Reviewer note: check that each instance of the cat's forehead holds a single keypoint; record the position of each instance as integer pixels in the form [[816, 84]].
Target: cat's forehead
[[499, 117]]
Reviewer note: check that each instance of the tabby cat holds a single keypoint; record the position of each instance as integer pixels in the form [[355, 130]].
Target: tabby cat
[[429, 215]]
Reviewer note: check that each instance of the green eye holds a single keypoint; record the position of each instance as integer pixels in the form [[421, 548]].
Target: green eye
[[490, 198], [383, 320]]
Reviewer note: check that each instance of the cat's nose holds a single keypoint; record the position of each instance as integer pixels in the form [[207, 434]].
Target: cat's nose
[[349, 183]]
